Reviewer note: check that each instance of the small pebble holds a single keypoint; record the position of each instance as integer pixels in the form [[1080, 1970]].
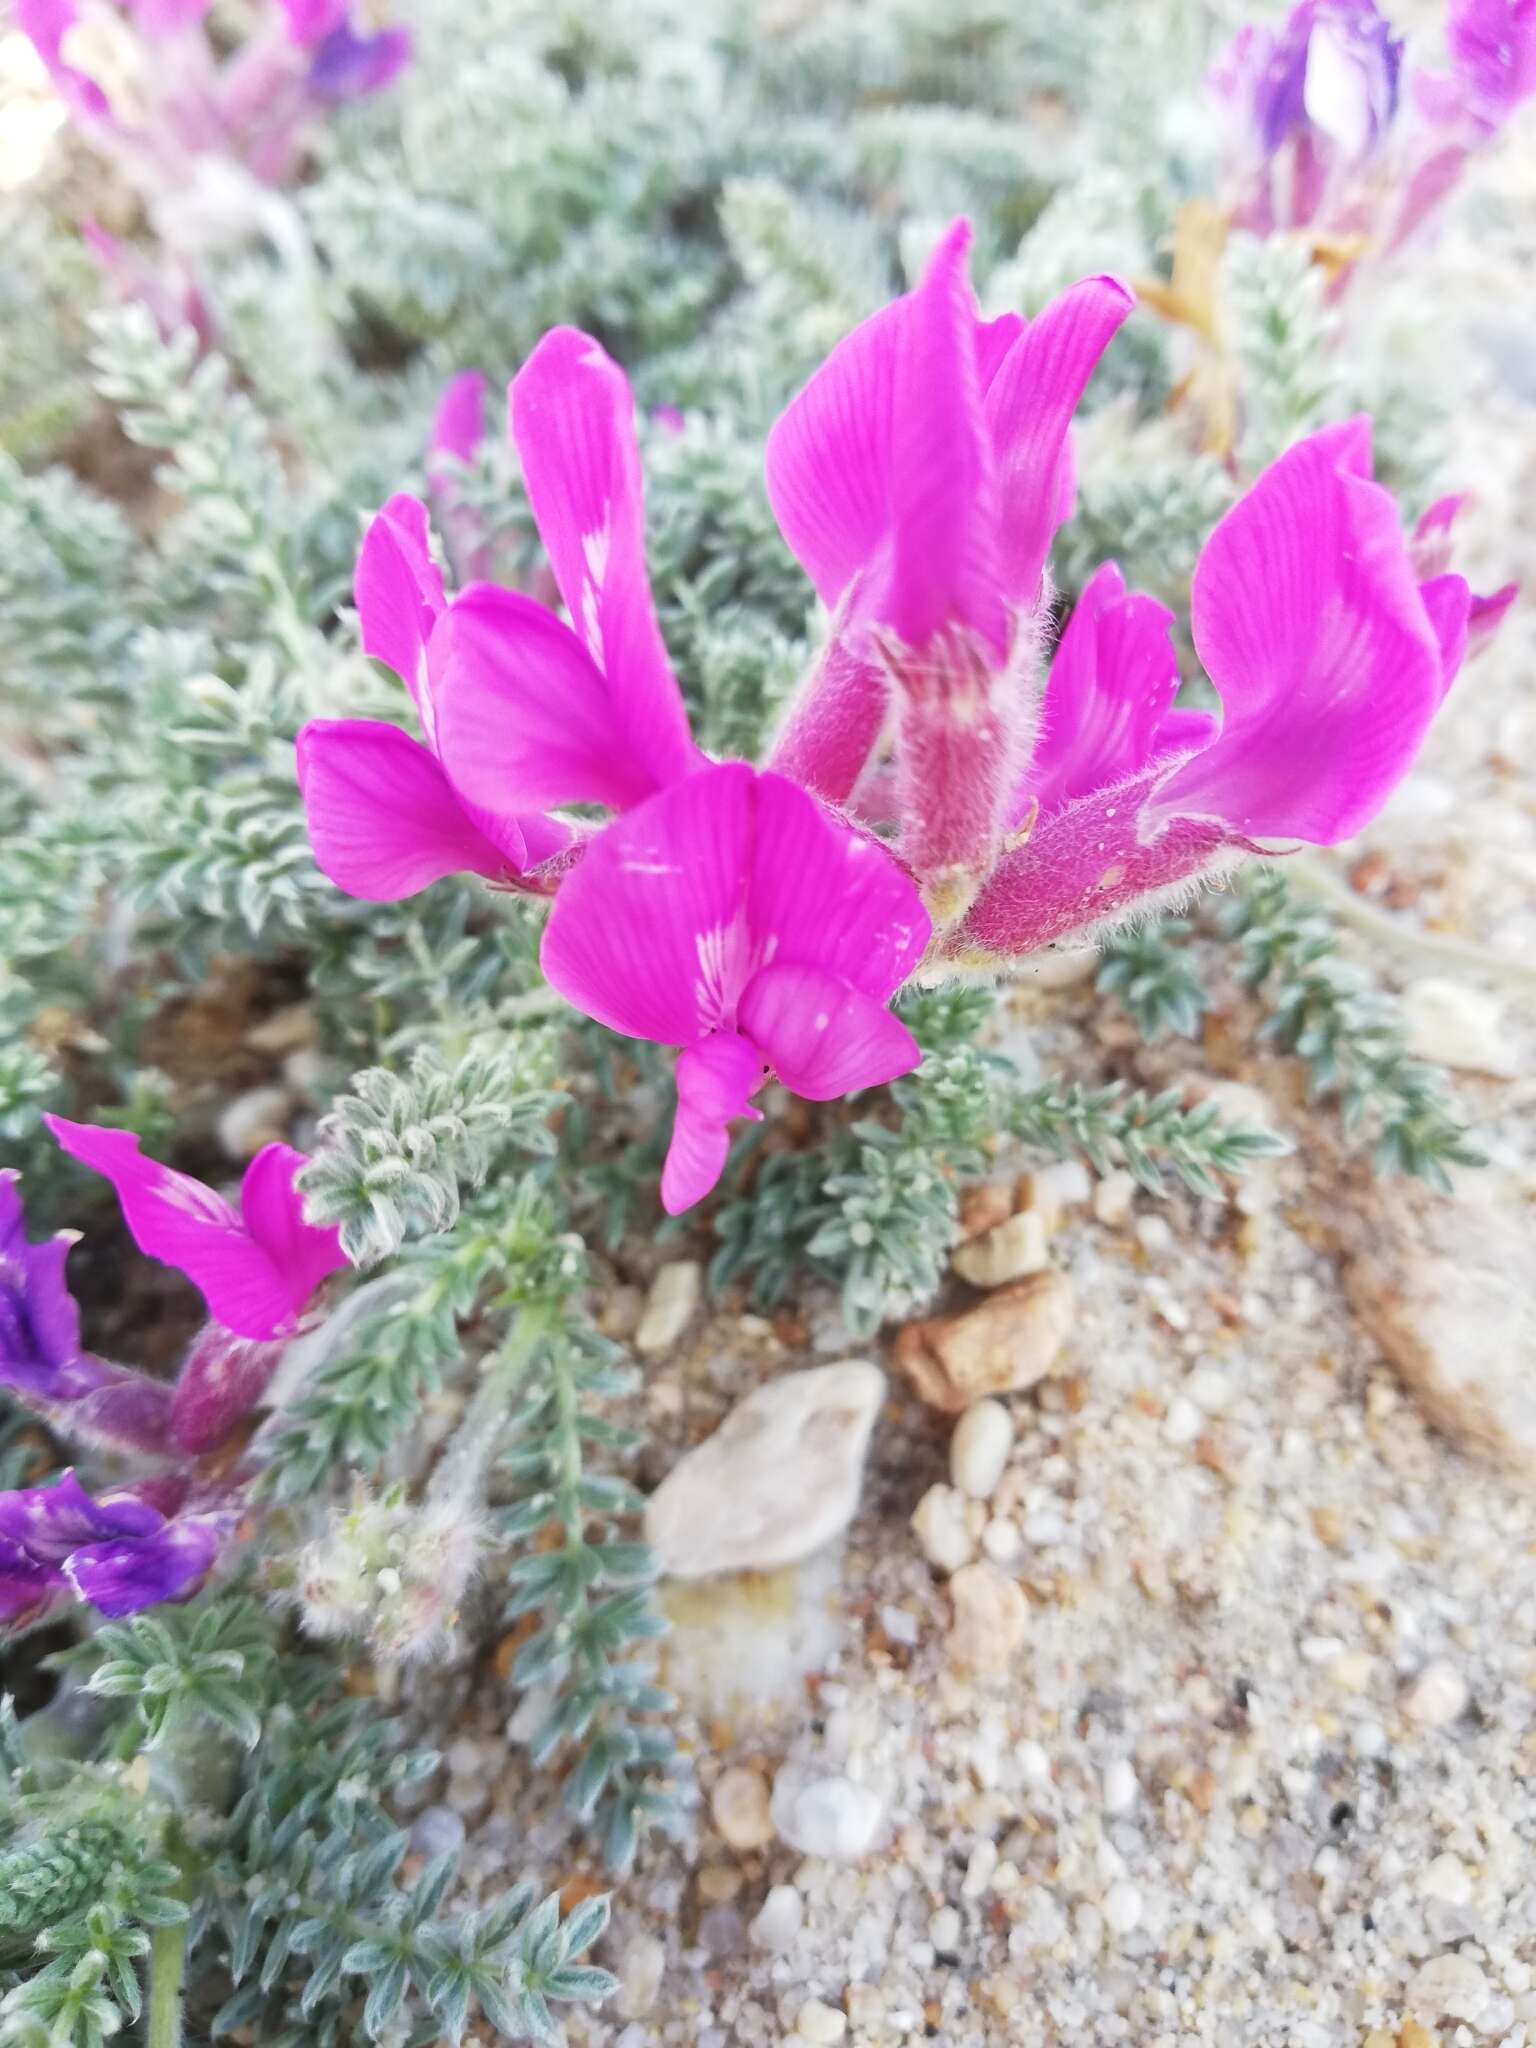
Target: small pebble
[[1005, 1253], [991, 1616], [640, 1972], [1113, 1198], [256, 1118], [1122, 1907], [942, 1530], [1451, 1985], [1002, 1541], [1034, 1763], [1155, 1236], [739, 1807], [437, 1831], [670, 1305], [820, 2023], [978, 1450], [1120, 1787], [825, 1814], [1183, 1422], [1445, 1877], [779, 1920], [944, 1931], [1437, 1696]]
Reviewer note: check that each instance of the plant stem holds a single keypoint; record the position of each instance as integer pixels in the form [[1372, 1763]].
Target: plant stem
[[1351, 909], [167, 1966]]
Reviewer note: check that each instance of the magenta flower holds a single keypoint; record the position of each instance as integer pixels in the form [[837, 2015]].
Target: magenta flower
[[519, 711], [1492, 46], [257, 1268], [1330, 657], [385, 819], [732, 916], [458, 431], [920, 477], [344, 63], [119, 1551]]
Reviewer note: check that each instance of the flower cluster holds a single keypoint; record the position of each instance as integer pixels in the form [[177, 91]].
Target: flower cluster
[[258, 1269], [1329, 133], [929, 802], [202, 138]]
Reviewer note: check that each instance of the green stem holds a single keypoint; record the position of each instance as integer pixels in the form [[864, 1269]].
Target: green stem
[[1352, 909], [167, 1968]]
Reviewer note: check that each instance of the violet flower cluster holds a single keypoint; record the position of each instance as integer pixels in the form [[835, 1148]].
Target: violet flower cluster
[[1330, 132], [258, 1269], [930, 804], [202, 138]]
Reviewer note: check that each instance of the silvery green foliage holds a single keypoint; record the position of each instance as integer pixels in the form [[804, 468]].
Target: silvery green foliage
[[256, 1850], [1282, 331]]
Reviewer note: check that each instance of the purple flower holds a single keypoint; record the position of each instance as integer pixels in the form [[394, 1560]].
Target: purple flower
[[41, 1362], [920, 477], [344, 64], [117, 1551], [1310, 104], [256, 1268], [731, 915], [1330, 656]]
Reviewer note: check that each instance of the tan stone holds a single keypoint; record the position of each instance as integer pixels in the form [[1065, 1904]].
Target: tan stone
[[1448, 1290], [1006, 1253], [738, 1806], [991, 1615], [1008, 1341]]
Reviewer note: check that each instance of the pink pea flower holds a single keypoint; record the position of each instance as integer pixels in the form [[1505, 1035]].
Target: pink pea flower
[[519, 711], [119, 1551], [920, 477], [734, 917], [385, 819], [256, 1267], [458, 431], [1330, 655]]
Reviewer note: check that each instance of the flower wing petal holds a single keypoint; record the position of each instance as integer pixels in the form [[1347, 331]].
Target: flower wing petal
[[714, 1082], [184, 1224], [384, 820]]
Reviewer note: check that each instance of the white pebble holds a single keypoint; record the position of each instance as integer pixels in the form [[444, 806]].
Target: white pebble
[[1183, 1422], [825, 1815], [978, 1450], [1002, 1541], [1155, 1235], [779, 1919], [944, 1930], [941, 1528], [1006, 1252], [252, 1120], [1437, 1696], [821, 2023], [1120, 1787], [1446, 1878], [1210, 1389], [978, 1872], [640, 1972], [1034, 1763], [1452, 1985], [1122, 1907]]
